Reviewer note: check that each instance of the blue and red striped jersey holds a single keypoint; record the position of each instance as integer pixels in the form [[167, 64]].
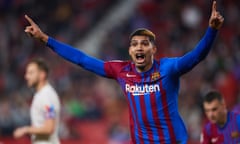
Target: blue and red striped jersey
[[152, 96], [152, 100], [227, 134]]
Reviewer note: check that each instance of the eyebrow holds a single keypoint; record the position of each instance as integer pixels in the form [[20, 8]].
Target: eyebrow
[[133, 40]]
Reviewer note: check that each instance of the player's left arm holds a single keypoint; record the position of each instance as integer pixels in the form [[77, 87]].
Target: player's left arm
[[49, 112], [46, 129], [192, 58]]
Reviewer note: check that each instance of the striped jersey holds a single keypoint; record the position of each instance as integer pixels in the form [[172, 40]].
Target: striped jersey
[[152, 101], [227, 134], [152, 96]]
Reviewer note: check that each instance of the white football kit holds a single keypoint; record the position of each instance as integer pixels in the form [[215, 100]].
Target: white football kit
[[45, 105]]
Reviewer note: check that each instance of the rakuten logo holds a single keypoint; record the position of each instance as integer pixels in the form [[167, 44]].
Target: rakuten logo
[[137, 90]]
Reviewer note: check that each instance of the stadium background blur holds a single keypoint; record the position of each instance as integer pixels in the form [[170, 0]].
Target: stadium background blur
[[93, 108]]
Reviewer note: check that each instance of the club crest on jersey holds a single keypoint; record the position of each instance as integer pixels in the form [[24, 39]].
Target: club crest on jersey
[[155, 76], [235, 134]]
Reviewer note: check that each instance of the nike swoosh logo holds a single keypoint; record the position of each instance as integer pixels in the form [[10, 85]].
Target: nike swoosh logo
[[128, 75], [213, 140]]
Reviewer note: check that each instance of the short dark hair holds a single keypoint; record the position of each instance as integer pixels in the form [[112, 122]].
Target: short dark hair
[[143, 32], [41, 63], [212, 95]]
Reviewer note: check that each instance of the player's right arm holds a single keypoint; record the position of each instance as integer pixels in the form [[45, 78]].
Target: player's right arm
[[66, 51]]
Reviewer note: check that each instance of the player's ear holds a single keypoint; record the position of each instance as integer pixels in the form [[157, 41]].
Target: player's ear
[[154, 49], [224, 103], [129, 50], [43, 75]]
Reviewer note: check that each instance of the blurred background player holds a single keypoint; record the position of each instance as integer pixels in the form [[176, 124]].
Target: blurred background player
[[45, 107], [150, 86], [223, 126]]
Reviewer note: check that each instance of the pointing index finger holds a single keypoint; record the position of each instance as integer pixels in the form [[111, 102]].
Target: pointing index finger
[[29, 20], [214, 6]]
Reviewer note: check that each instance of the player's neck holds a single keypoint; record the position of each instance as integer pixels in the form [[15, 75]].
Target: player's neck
[[223, 121], [145, 68], [41, 84]]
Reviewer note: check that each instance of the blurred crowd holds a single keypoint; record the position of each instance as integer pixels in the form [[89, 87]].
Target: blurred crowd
[[178, 25]]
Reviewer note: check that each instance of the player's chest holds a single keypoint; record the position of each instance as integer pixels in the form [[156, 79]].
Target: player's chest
[[36, 106], [136, 78], [140, 84], [229, 134]]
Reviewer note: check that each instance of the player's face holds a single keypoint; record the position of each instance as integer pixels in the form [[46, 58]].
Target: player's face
[[32, 75], [214, 111], [142, 52]]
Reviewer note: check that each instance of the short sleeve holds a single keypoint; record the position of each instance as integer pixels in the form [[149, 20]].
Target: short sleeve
[[49, 109]]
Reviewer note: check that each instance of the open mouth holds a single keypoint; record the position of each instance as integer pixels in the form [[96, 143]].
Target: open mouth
[[140, 57]]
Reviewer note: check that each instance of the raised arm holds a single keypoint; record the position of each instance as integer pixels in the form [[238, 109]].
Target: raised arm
[[66, 51], [192, 58]]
